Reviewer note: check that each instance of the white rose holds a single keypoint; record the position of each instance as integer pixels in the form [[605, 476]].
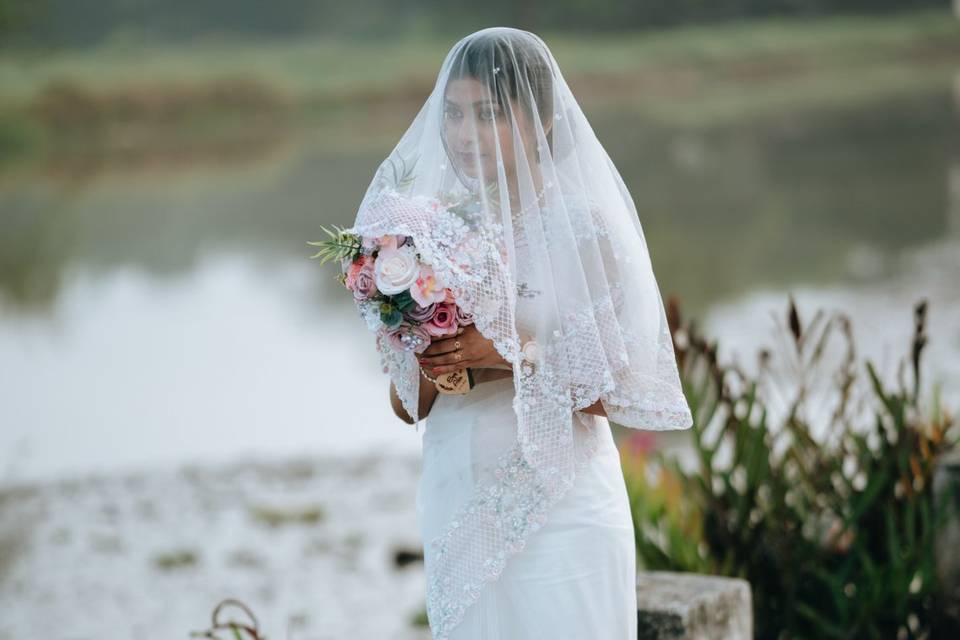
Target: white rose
[[395, 270]]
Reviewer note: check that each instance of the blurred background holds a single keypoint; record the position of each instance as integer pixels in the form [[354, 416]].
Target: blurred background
[[191, 409]]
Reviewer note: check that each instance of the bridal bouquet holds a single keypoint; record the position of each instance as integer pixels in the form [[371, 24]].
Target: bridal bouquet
[[398, 292]]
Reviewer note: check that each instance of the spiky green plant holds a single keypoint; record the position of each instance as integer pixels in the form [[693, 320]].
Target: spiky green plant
[[341, 245], [834, 532]]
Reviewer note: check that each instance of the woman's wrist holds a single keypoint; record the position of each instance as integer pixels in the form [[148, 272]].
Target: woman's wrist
[[488, 374]]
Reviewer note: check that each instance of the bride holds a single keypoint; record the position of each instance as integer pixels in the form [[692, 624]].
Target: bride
[[523, 508]]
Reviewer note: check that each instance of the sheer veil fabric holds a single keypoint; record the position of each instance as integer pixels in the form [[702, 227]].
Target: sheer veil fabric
[[504, 187]]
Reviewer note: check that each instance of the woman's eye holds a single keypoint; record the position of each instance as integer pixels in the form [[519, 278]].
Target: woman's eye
[[488, 114], [450, 114]]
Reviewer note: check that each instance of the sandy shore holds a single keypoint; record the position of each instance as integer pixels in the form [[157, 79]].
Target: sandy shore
[[310, 545]]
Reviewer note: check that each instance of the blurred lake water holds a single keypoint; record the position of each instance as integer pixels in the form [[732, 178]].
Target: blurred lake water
[[161, 308]]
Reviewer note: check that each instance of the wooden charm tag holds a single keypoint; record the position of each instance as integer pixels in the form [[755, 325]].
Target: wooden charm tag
[[456, 382]]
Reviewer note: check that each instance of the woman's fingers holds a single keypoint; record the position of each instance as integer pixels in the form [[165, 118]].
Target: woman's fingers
[[444, 358], [446, 368], [440, 356], [439, 346], [439, 351]]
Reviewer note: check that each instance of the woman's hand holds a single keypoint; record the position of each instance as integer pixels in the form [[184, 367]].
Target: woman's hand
[[476, 351]]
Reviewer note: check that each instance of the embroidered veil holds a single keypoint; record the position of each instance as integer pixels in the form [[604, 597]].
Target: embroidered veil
[[555, 272]]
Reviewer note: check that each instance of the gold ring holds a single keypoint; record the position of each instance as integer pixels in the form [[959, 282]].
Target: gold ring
[[456, 345], [458, 356]]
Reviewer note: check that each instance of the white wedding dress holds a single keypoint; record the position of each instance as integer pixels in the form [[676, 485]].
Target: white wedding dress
[[575, 579]]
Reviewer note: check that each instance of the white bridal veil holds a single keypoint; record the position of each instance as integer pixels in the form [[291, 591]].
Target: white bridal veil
[[504, 187]]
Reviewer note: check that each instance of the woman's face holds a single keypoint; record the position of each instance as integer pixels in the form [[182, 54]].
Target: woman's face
[[473, 126]]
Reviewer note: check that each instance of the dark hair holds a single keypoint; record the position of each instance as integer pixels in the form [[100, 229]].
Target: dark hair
[[521, 66]]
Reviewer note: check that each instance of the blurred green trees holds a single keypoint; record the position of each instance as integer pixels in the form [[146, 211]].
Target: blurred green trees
[[83, 22]]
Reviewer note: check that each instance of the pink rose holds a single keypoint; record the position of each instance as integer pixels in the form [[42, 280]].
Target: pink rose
[[353, 269], [408, 337], [427, 289], [464, 318], [364, 282], [421, 314], [443, 322]]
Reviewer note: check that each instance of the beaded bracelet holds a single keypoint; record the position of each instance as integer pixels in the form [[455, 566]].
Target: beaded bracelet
[[434, 380]]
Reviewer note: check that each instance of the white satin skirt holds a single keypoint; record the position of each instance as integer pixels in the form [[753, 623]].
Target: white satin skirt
[[575, 578]]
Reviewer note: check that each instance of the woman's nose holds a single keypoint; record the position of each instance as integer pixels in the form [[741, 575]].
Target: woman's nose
[[466, 135]]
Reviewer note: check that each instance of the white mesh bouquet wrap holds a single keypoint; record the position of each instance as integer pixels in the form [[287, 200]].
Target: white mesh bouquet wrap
[[554, 256]]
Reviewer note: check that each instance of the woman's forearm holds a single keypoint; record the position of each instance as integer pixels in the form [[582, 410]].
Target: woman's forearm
[[397, 405], [596, 409], [500, 371], [428, 393]]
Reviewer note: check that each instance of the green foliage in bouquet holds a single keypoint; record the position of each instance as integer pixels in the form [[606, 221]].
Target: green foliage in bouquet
[[341, 244], [835, 533]]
